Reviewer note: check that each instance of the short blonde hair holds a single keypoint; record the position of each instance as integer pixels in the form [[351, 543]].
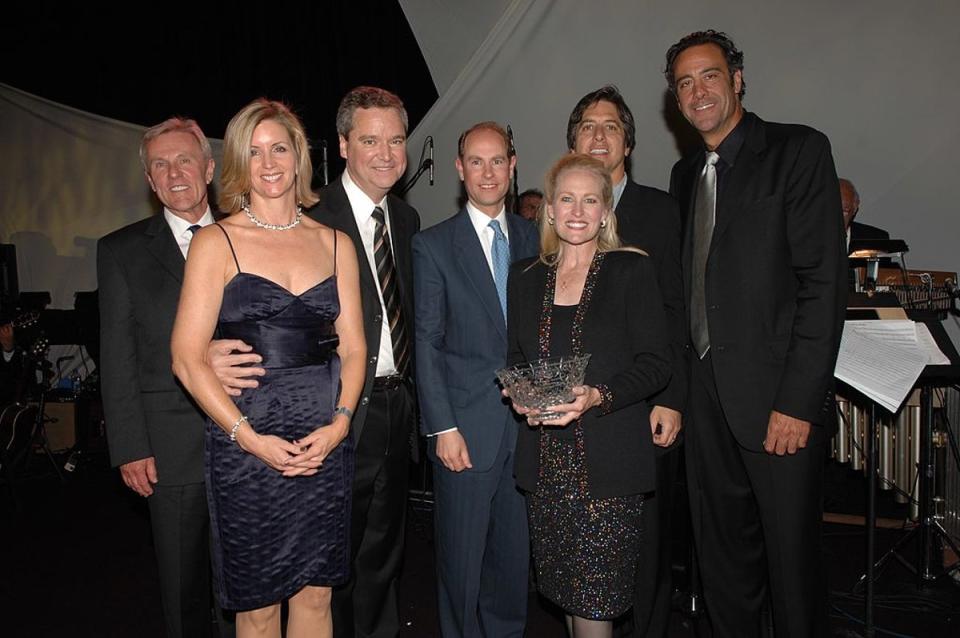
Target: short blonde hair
[[551, 247], [235, 178]]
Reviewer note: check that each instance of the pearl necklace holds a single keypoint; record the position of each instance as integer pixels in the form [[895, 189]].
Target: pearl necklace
[[257, 222]]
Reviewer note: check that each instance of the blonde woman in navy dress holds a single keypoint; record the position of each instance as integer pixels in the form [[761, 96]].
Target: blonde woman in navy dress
[[279, 460]]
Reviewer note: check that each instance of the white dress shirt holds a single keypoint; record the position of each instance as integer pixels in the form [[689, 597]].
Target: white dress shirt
[[181, 228], [481, 224], [362, 207]]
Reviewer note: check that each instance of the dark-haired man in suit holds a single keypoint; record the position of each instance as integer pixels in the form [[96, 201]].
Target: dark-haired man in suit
[[372, 125], [154, 430], [602, 126], [460, 276], [764, 274]]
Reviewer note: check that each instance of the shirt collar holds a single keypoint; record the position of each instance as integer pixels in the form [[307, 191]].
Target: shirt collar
[[730, 147], [360, 202], [179, 225], [618, 189], [481, 220]]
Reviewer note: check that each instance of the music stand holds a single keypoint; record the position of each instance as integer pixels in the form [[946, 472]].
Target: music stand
[[928, 528]]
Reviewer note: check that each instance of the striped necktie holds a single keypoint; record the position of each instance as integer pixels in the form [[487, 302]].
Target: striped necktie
[[387, 278]]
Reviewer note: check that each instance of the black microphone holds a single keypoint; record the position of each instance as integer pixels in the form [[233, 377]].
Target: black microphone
[[513, 150], [430, 141]]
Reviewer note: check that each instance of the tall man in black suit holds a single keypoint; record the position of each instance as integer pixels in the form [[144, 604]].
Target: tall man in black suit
[[602, 126], [372, 125], [764, 274], [154, 430], [460, 275]]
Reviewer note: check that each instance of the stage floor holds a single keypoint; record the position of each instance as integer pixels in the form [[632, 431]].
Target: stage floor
[[77, 560]]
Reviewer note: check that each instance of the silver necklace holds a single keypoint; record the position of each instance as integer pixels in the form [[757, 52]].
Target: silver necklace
[[257, 222]]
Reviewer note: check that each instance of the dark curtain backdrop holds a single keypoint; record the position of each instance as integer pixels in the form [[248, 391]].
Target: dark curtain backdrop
[[143, 62]]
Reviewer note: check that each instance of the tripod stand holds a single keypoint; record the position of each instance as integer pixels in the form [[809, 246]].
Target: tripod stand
[[928, 532]]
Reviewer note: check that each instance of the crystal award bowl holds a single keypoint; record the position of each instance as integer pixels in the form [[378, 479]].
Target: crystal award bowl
[[544, 382]]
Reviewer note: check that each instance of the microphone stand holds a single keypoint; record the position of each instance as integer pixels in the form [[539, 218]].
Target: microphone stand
[[515, 187], [424, 164]]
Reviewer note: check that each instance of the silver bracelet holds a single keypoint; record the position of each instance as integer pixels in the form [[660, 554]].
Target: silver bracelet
[[345, 411], [236, 426]]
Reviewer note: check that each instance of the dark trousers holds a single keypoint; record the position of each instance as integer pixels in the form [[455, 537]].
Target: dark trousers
[[482, 550], [366, 606], [654, 586], [181, 539], [756, 524]]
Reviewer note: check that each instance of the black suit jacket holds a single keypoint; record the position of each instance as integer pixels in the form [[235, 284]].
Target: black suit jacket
[[147, 411], [624, 330], [335, 211], [649, 219], [775, 278]]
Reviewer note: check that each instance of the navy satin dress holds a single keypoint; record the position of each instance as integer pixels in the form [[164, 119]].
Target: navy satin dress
[[273, 535]]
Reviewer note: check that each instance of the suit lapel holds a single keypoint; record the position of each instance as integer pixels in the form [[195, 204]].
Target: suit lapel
[[401, 232], [737, 190], [474, 265], [162, 245], [336, 212]]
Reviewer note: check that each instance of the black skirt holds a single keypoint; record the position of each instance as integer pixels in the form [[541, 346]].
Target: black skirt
[[585, 550]]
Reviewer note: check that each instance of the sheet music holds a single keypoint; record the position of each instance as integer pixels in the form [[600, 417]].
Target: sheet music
[[935, 356], [881, 359]]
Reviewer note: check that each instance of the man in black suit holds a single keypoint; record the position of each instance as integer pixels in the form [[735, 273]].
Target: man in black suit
[[850, 201], [764, 275], [372, 126], [154, 430], [602, 126]]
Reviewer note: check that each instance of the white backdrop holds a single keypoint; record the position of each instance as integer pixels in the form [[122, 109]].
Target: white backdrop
[[875, 75]]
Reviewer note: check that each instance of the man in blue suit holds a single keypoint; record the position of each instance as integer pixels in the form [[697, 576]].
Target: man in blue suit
[[460, 273]]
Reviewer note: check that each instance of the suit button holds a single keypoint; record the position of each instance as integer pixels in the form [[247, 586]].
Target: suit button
[[721, 348], [373, 359], [364, 400], [714, 307], [377, 318]]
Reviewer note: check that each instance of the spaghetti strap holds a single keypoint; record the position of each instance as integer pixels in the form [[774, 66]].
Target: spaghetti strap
[[334, 252], [229, 243]]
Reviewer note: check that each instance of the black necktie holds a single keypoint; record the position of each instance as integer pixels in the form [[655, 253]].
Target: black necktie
[[705, 210], [387, 277]]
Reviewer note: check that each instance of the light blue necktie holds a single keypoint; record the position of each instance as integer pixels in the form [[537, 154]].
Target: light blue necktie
[[500, 254]]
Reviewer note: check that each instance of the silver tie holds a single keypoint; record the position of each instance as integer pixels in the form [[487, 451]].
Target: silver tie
[[705, 211]]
